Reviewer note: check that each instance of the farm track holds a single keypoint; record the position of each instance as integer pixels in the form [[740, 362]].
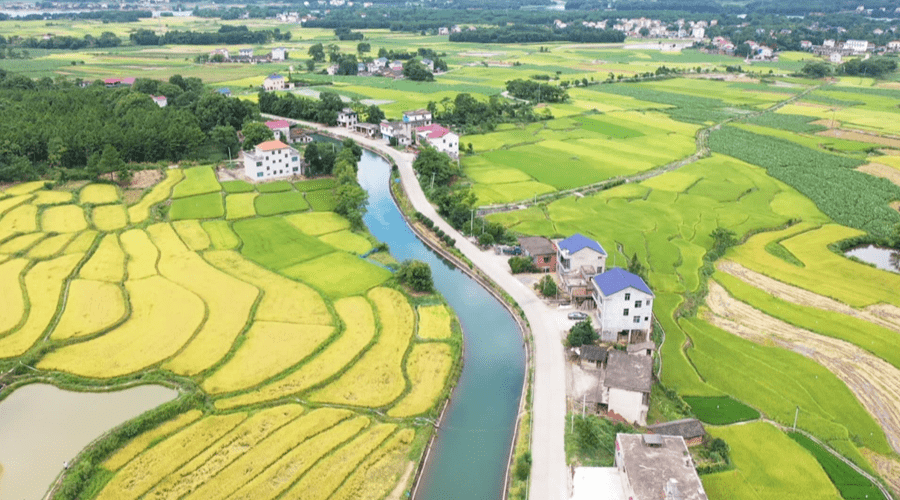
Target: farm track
[[883, 315], [875, 382], [703, 151]]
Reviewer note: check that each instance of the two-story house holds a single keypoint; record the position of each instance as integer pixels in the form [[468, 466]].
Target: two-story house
[[624, 306], [272, 159], [278, 54], [579, 259], [417, 118], [542, 252], [440, 138], [273, 82], [347, 118], [281, 129], [400, 131]]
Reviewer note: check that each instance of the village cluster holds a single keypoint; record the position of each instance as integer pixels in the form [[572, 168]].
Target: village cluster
[[276, 158]]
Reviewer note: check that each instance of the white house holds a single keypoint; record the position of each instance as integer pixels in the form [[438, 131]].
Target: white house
[[220, 52], [895, 45], [274, 82], [160, 100], [698, 33], [835, 57], [417, 118], [856, 45], [399, 130], [428, 64], [332, 70], [439, 138], [805, 44], [828, 44], [443, 30], [627, 385], [281, 129], [578, 251], [278, 54], [246, 52], [272, 159], [654, 467], [624, 305], [380, 62], [347, 118], [396, 65]]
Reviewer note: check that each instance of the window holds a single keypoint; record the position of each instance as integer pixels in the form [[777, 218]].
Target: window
[[627, 296], [648, 303], [545, 259], [259, 174], [259, 164], [637, 319], [295, 169], [294, 159], [625, 312], [646, 318], [637, 303]]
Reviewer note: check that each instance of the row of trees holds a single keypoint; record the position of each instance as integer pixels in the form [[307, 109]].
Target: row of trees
[[875, 67], [226, 35], [105, 40], [536, 92], [323, 110], [59, 127], [532, 34], [471, 115]]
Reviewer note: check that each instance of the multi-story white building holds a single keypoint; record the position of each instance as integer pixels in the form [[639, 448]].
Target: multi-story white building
[[417, 118], [246, 52], [439, 138], [272, 159], [856, 45], [624, 305], [698, 33], [274, 82], [347, 118], [578, 251], [278, 54], [895, 45], [398, 130]]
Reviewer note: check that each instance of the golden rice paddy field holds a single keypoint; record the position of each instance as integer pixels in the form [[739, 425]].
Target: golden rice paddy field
[[94, 290]]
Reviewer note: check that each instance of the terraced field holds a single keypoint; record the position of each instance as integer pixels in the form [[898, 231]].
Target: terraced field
[[292, 317]]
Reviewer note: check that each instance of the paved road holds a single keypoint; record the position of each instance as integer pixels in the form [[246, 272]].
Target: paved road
[[549, 474]]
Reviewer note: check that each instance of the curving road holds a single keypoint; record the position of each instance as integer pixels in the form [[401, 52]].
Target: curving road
[[549, 474]]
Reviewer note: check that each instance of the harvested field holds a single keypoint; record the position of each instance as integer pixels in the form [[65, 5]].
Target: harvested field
[[800, 296], [137, 445], [44, 284], [142, 179], [359, 330], [248, 466], [223, 452], [377, 378], [107, 263], [861, 137], [887, 467], [875, 382], [885, 172], [164, 316], [91, 306], [162, 460], [269, 349]]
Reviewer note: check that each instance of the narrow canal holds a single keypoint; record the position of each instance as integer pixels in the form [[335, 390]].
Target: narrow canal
[[469, 456]]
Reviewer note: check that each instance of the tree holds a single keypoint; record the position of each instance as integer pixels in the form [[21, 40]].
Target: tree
[[645, 32], [816, 69], [374, 114], [486, 239], [225, 139], [255, 133], [416, 275], [317, 52], [363, 47], [416, 71], [635, 267], [310, 65], [352, 204], [547, 286], [581, 333]]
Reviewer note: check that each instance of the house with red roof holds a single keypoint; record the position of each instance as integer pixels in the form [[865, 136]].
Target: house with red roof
[[440, 138], [160, 100], [272, 159], [281, 129]]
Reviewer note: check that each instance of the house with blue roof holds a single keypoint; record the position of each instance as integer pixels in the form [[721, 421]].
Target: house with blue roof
[[274, 82], [624, 306], [225, 91], [578, 251]]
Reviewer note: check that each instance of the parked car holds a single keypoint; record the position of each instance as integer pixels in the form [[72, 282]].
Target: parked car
[[578, 316], [512, 250]]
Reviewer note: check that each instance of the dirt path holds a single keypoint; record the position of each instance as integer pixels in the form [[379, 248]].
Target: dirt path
[[701, 139], [884, 315], [875, 382]]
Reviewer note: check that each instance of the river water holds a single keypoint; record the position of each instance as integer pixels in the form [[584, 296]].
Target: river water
[[468, 460], [41, 427]]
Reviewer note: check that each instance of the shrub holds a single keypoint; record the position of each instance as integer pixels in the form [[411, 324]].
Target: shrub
[[547, 286], [582, 333], [416, 275], [522, 265]]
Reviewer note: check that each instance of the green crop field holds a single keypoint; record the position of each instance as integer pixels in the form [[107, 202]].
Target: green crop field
[[851, 484], [720, 410], [279, 203], [237, 187], [274, 187], [315, 185], [203, 206], [197, 180]]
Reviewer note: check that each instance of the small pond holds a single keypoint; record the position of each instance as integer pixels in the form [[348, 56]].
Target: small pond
[[880, 257], [42, 427]]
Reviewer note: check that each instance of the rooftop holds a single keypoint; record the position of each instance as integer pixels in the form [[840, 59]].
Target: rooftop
[[617, 279], [663, 470], [537, 245], [274, 124], [687, 428], [629, 372], [274, 76], [641, 346], [433, 131], [271, 145], [577, 242], [419, 111], [593, 353], [597, 483]]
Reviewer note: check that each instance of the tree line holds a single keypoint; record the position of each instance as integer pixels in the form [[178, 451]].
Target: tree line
[[536, 92], [325, 109], [472, 116], [532, 34], [226, 35], [106, 39], [60, 129], [874, 67]]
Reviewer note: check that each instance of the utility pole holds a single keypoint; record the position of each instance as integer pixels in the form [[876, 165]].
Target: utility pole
[[797, 414], [472, 223]]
